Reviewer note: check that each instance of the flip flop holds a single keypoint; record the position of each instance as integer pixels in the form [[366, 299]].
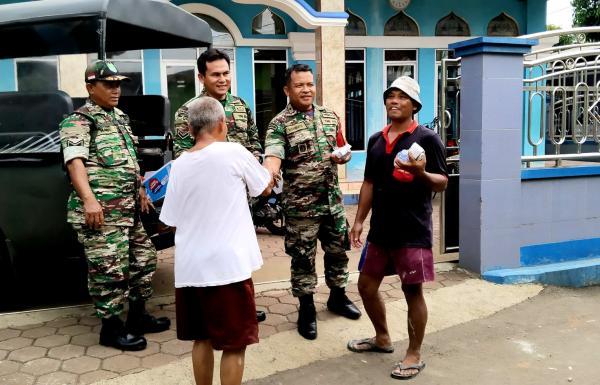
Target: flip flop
[[399, 366], [369, 343]]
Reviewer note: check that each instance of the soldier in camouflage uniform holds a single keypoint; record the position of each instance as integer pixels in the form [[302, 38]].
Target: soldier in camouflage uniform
[[213, 72], [300, 141], [100, 155]]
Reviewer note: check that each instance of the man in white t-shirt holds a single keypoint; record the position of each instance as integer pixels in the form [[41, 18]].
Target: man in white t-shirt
[[216, 249]]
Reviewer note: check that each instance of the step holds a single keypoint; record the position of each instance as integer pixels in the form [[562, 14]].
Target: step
[[578, 273]]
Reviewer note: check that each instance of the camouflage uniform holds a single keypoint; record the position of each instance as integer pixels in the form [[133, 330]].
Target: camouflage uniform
[[121, 258], [312, 198], [240, 125]]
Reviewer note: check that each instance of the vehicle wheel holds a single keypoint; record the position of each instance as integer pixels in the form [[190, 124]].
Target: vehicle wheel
[[276, 227]]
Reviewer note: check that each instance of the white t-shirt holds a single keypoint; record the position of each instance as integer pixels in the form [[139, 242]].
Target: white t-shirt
[[215, 241]]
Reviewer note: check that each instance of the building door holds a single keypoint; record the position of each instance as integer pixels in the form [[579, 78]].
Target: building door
[[181, 83], [269, 74]]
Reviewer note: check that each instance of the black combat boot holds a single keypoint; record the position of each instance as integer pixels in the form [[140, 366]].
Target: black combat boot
[[113, 334], [307, 317], [140, 322], [339, 303], [261, 315]]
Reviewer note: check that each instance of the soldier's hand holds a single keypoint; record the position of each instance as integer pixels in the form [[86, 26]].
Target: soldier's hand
[[94, 217], [145, 202], [337, 160], [355, 233]]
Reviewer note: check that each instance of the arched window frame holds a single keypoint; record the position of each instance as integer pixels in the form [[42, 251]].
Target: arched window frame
[[452, 14], [401, 14], [364, 23], [275, 17], [506, 16]]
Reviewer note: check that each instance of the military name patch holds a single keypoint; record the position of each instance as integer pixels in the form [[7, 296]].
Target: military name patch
[[240, 109], [329, 121], [240, 116], [294, 127], [329, 115]]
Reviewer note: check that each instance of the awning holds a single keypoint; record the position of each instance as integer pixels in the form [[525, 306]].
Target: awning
[[53, 27]]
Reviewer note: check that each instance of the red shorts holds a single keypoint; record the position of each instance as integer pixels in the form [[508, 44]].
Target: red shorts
[[412, 264], [225, 315]]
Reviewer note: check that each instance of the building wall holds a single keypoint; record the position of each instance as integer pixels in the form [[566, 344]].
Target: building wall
[[428, 12], [530, 15], [560, 219]]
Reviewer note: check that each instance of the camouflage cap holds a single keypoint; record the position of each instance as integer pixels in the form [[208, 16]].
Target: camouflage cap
[[103, 70]]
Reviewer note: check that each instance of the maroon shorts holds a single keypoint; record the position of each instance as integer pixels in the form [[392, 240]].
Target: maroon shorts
[[225, 315], [412, 264]]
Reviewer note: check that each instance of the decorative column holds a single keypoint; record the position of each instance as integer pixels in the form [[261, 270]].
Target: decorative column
[[72, 69], [490, 150], [331, 66]]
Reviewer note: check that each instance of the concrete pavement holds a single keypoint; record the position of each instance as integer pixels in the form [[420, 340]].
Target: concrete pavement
[[549, 339], [60, 346]]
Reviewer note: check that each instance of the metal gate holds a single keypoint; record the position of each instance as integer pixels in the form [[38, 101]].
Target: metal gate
[[561, 120], [449, 131]]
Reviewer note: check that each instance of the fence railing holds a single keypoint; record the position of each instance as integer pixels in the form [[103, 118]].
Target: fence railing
[[561, 88]]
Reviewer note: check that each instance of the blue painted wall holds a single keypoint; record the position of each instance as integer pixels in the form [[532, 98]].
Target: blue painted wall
[[375, 109], [152, 72], [245, 75], [427, 75], [7, 75], [428, 12], [559, 209]]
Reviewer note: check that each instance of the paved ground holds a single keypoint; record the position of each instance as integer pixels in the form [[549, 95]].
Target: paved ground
[[60, 346], [65, 350], [552, 338]]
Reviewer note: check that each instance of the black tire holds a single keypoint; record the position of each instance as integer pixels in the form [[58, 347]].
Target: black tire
[[276, 227]]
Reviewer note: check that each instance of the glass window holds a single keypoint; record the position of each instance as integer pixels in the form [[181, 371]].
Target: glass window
[[356, 26], [400, 55], [268, 23], [181, 85], [452, 25], [401, 25], [355, 54], [355, 99], [443, 54], [179, 54], [270, 55], [503, 25], [37, 74], [129, 63], [180, 74], [399, 63], [269, 77]]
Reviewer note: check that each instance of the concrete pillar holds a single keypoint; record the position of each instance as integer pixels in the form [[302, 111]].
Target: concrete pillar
[[72, 69], [490, 151], [331, 66]]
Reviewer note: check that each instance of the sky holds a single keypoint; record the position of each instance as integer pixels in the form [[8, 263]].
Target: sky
[[559, 12]]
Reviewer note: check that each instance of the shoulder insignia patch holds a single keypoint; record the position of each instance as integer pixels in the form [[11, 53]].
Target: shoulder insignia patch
[[74, 142]]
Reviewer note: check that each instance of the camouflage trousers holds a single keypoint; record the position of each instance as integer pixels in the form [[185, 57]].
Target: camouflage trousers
[[121, 261], [301, 244]]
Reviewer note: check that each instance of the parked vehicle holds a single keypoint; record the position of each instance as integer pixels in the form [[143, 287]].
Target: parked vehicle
[[41, 261], [268, 211]]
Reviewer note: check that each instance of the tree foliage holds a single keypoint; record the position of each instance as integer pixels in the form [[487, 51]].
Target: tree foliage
[[586, 13]]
